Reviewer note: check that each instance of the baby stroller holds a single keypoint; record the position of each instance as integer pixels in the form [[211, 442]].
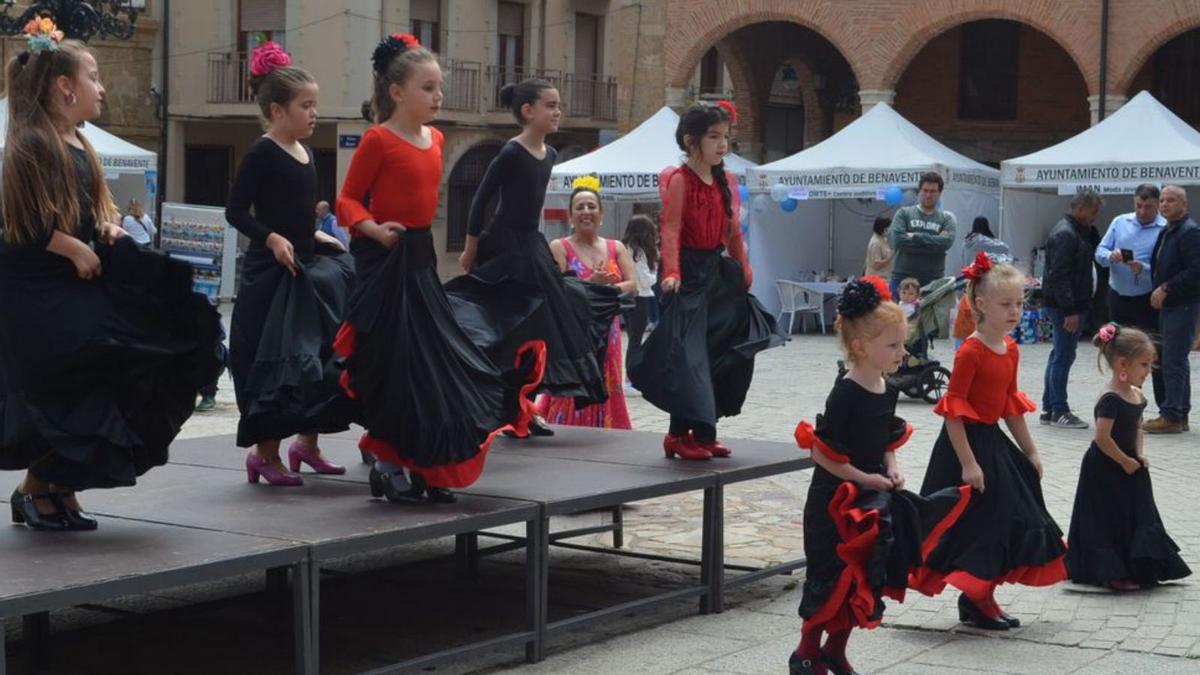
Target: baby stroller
[[919, 376]]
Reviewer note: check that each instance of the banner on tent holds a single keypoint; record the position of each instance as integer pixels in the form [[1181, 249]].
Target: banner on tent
[[127, 164], [615, 183], [1186, 173], [1066, 189], [866, 183]]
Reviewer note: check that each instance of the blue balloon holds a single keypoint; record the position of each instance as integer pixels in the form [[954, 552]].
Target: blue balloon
[[744, 193], [894, 196], [788, 205]]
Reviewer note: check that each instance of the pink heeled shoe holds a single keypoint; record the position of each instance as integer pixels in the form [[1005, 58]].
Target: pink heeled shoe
[[311, 455], [272, 471]]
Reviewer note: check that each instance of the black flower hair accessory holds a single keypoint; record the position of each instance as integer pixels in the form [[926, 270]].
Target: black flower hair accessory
[[862, 295]]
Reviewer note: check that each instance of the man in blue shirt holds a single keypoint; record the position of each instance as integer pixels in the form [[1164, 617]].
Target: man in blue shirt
[[1130, 281], [327, 223]]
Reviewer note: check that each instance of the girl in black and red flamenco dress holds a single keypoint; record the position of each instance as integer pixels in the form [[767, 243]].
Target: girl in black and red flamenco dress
[[1006, 535], [698, 363], [1117, 538], [431, 399], [863, 533]]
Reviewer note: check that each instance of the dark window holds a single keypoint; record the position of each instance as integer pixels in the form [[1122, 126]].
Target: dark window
[[1174, 82], [426, 22], [464, 179], [987, 86], [326, 175], [711, 72], [207, 171], [511, 34]]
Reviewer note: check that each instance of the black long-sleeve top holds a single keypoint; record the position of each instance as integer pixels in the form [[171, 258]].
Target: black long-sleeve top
[[521, 179], [85, 231], [282, 191]]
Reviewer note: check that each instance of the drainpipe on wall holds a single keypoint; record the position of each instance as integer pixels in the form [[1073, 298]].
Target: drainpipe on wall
[[164, 100], [542, 38], [1103, 61]]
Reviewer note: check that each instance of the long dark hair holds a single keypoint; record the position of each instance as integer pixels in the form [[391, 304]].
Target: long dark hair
[[695, 122], [641, 236], [981, 226]]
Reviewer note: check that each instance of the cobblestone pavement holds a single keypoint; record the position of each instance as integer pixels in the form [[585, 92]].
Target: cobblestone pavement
[[1065, 627]]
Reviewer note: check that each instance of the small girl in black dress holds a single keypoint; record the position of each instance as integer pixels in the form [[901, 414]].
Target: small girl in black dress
[[863, 533], [1117, 537]]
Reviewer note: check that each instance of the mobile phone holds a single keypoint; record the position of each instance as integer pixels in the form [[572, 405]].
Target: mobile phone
[[1126, 255]]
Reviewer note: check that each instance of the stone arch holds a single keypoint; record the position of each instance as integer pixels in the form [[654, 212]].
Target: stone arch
[[712, 22], [1134, 64], [1058, 21]]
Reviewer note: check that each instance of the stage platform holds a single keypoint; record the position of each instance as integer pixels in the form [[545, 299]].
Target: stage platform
[[197, 519]]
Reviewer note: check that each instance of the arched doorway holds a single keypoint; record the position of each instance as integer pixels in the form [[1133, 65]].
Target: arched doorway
[[1169, 75], [783, 115], [464, 179], [993, 89]]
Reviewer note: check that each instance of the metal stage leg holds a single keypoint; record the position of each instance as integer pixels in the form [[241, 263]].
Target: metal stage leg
[[277, 580], [466, 553], [618, 521], [537, 577], [304, 620], [36, 629], [712, 551], [3, 654]]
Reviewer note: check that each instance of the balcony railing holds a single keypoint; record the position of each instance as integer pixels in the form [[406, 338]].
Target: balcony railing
[[591, 97], [227, 73], [461, 85]]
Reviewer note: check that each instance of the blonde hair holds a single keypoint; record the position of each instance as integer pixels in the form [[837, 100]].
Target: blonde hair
[[39, 186], [867, 326], [135, 208], [998, 275], [1126, 343]]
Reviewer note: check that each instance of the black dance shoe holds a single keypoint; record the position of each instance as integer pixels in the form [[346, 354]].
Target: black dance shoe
[[837, 666], [394, 487], [435, 494], [76, 519], [24, 510], [539, 428], [1012, 621], [798, 665], [969, 613]]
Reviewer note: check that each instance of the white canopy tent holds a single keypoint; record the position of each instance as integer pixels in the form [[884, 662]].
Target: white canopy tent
[[1142, 142], [840, 185], [131, 172], [628, 169]]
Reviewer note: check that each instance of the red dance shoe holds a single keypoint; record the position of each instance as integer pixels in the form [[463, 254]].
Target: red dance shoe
[[684, 447], [715, 448]]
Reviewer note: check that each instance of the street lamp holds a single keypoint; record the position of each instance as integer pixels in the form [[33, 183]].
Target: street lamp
[[79, 19]]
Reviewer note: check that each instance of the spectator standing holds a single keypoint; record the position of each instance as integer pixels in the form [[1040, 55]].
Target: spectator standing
[[880, 256], [921, 234], [139, 225]]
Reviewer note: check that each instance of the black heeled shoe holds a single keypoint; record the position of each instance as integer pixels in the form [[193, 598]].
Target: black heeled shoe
[[76, 519], [836, 667], [798, 665], [1012, 621], [435, 494], [394, 487], [969, 613], [24, 510], [538, 428]]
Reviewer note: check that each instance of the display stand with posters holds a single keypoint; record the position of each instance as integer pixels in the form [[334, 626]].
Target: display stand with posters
[[200, 236]]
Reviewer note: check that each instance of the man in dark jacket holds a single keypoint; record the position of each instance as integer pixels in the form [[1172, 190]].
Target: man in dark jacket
[[1067, 296], [1176, 274]]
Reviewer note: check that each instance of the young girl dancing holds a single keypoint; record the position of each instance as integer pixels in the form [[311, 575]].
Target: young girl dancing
[[431, 400], [103, 344], [513, 290], [294, 285], [863, 533], [698, 363], [1117, 538], [1006, 535], [595, 260]]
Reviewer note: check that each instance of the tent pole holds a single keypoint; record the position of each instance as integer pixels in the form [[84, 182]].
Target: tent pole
[[831, 252]]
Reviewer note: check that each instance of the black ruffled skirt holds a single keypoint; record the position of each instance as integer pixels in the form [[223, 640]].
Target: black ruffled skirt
[[1006, 535], [861, 545], [99, 376], [698, 362], [1116, 531], [517, 294], [431, 399], [281, 344]]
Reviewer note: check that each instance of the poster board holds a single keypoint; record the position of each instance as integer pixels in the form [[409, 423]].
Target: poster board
[[199, 236]]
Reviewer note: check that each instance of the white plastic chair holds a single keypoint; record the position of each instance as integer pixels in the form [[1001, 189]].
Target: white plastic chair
[[795, 300]]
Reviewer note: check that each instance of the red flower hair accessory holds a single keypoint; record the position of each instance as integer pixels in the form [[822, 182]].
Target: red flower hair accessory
[[862, 295], [730, 109], [389, 47], [981, 266], [267, 57]]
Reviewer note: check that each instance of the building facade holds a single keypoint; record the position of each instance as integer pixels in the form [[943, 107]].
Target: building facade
[[482, 44], [991, 78]]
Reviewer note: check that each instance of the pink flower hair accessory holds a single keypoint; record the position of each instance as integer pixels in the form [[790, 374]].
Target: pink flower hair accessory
[[267, 57], [1107, 332]]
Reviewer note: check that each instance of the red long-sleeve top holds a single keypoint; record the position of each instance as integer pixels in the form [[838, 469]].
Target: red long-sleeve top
[[694, 217], [401, 179], [983, 385]]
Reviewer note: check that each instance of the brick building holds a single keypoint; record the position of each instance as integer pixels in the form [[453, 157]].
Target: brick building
[[991, 78]]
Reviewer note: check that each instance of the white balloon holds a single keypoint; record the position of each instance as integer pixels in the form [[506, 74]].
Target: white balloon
[[779, 192], [742, 212]]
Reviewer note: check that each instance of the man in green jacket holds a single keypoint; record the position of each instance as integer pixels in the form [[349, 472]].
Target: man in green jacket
[[921, 234]]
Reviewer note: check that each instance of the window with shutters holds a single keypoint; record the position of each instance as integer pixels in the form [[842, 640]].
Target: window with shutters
[[259, 21], [510, 29], [426, 16]]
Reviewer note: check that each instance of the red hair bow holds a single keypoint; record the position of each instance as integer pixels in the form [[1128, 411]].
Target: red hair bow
[[408, 39], [977, 269], [730, 109]]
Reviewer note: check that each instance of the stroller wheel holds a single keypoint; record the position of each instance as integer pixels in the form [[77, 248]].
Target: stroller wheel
[[934, 382]]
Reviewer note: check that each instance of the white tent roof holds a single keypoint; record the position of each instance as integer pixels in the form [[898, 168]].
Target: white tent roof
[[116, 154], [629, 166], [1142, 142], [875, 151]]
